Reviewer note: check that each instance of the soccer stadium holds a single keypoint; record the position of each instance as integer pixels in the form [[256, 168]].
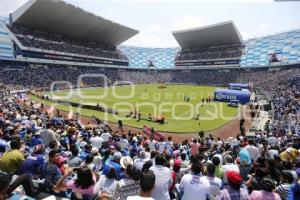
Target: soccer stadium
[[85, 115]]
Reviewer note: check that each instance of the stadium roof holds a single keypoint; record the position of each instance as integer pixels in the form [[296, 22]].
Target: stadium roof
[[59, 17], [224, 33]]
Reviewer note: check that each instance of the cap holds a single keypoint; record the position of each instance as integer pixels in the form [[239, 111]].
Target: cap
[[117, 155], [234, 177], [142, 154], [95, 150], [126, 161], [177, 163]]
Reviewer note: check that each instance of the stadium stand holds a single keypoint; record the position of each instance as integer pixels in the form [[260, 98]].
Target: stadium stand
[[42, 40], [218, 44], [253, 52], [217, 53], [6, 45], [51, 154], [91, 39], [286, 46]]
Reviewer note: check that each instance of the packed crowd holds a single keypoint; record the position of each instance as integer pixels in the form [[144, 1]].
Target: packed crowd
[[284, 91], [43, 151], [54, 155], [43, 40], [42, 77], [220, 52]]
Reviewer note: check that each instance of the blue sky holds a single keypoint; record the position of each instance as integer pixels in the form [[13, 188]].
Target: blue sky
[[156, 19]]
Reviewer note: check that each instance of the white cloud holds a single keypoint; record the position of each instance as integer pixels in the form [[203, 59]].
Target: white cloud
[[9, 6], [154, 28], [150, 40], [262, 30], [244, 34], [263, 27], [190, 21], [153, 35]]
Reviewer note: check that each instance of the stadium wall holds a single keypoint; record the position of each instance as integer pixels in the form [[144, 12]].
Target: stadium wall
[[139, 57], [6, 44], [286, 46]]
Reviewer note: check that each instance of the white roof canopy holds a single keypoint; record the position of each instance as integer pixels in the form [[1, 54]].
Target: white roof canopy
[[224, 33], [59, 17]]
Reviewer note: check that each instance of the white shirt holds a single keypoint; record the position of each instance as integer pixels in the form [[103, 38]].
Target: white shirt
[[97, 141], [47, 136], [163, 180], [194, 187], [139, 163], [98, 162], [272, 140], [272, 153], [139, 198], [261, 149], [106, 136], [219, 142], [105, 185], [123, 144], [215, 185], [169, 145], [152, 145], [253, 151], [161, 147]]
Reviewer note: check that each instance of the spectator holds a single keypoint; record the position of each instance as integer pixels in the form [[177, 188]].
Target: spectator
[[194, 146], [81, 187], [163, 179], [34, 163], [140, 161], [48, 135], [229, 166], [245, 162], [233, 190], [295, 191], [267, 192], [51, 173], [75, 160], [215, 182], [7, 186], [12, 160], [113, 163], [147, 184], [253, 150], [285, 185], [256, 181], [194, 186], [176, 177], [128, 186], [218, 168], [107, 184], [96, 141]]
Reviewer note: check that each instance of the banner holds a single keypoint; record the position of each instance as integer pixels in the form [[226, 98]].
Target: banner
[[226, 95], [156, 135]]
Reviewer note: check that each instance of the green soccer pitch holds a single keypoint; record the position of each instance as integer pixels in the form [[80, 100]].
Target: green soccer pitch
[[149, 98]]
